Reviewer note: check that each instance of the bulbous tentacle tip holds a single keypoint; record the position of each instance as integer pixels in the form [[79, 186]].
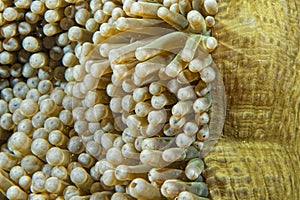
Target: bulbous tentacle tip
[[211, 43], [211, 7]]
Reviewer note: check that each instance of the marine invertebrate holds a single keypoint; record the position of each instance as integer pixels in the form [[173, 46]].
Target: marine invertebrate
[[86, 70], [66, 42], [143, 65], [260, 132]]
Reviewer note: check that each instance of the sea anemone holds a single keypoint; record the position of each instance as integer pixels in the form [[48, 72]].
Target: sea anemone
[[107, 99]]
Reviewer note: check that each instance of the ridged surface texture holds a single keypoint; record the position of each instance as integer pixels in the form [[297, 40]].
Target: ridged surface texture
[[258, 56]]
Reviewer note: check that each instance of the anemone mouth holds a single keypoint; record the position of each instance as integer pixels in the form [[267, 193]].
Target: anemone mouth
[[149, 83]]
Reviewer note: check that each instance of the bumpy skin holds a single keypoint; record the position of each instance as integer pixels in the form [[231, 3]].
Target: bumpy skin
[[258, 55]]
